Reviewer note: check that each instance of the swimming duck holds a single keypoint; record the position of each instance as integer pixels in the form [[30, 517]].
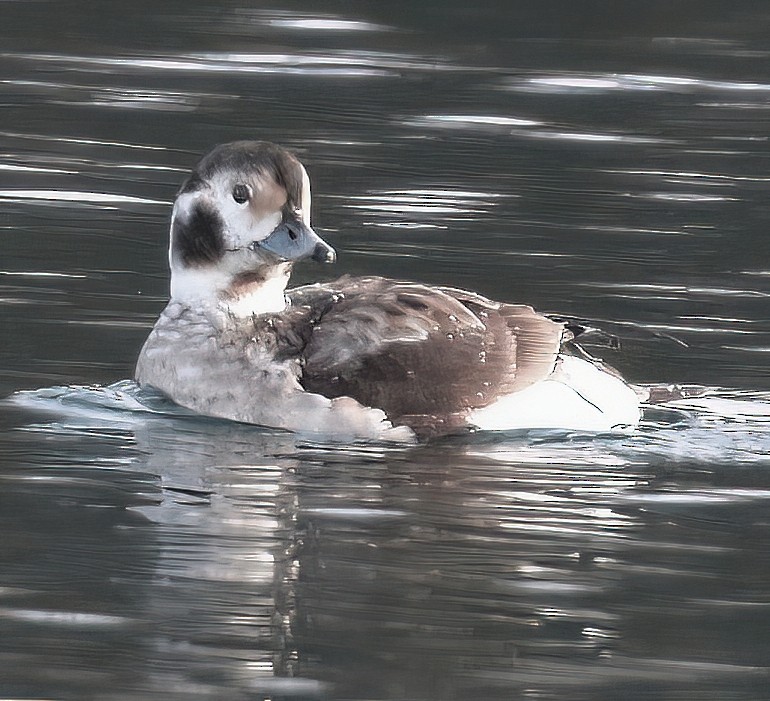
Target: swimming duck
[[362, 358]]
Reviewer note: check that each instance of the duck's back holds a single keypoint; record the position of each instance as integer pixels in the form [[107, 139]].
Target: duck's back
[[427, 356]]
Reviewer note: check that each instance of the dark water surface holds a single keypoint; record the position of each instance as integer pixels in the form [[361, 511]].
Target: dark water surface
[[603, 160]]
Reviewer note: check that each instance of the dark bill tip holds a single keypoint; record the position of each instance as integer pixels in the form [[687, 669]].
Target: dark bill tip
[[324, 253]]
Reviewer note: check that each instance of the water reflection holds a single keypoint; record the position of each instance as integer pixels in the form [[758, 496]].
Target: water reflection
[[74, 197], [515, 126], [303, 21], [421, 208], [253, 554], [335, 63], [577, 83]]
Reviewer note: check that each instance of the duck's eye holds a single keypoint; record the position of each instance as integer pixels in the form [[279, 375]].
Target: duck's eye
[[241, 193]]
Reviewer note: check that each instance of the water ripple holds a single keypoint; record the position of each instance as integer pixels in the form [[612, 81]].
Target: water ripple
[[334, 63], [75, 197], [80, 141], [468, 120], [720, 425], [692, 175], [399, 208], [113, 96], [581, 83], [303, 22], [521, 127], [682, 291], [13, 167]]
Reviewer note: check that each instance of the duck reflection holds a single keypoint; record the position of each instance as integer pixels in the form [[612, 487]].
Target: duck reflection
[[207, 557]]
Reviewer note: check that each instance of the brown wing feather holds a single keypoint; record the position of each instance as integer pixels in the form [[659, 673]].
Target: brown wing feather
[[424, 355], [538, 339]]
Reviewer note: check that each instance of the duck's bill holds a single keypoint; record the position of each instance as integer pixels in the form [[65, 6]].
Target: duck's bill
[[294, 240]]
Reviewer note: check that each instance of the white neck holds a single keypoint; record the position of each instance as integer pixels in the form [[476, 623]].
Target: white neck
[[265, 297], [216, 290]]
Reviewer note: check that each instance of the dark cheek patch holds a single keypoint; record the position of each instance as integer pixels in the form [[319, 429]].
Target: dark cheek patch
[[199, 240]]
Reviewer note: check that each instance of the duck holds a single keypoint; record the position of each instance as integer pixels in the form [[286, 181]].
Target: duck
[[357, 359]]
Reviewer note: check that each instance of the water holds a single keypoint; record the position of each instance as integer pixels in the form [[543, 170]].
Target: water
[[609, 163]]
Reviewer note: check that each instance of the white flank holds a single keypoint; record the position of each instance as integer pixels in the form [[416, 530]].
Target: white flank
[[577, 396]]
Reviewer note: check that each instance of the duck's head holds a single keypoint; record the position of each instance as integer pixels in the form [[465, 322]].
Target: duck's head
[[239, 222]]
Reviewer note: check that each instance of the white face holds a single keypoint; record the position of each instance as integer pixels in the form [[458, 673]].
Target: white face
[[250, 207], [218, 220]]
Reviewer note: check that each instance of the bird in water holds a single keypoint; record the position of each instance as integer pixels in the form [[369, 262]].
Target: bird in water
[[361, 358]]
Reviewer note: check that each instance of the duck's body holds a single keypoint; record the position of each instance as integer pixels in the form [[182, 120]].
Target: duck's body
[[359, 358]]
